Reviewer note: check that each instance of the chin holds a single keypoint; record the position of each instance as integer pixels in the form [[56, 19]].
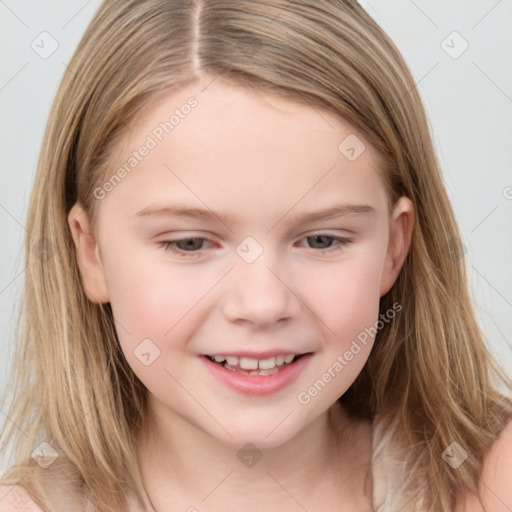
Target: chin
[[264, 434]]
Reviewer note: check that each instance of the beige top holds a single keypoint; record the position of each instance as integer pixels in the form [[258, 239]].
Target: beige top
[[390, 477]]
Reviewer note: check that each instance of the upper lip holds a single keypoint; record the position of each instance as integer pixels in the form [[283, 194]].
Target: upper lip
[[257, 355]]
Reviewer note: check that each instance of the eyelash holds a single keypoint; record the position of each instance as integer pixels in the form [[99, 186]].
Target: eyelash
[[170, 246]]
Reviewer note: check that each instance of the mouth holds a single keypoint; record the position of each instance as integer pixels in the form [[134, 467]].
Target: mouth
[[251, 366], [256, 377]]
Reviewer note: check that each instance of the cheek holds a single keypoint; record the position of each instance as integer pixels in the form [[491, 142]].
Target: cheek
[[345, 297], [346, 302], [155, 311], [151, 300]]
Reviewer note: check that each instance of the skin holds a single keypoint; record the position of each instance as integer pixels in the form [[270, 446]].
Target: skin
[[263, 161]]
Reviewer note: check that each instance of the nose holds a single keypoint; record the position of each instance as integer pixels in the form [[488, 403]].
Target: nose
[[260, 294]]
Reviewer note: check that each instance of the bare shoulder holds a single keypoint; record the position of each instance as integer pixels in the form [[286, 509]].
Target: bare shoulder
[[15, 498], [496, 481]]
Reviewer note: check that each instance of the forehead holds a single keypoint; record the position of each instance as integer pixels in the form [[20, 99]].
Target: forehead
[[222, 143]]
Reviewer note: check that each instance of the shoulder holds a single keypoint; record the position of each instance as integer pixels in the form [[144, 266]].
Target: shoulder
[[15, 498], [495, 483], [29, 487]]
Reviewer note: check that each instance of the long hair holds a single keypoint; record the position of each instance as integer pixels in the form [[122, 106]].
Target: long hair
[[429, 380]]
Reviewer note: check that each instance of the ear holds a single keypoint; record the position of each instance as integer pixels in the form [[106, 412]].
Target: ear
[[87, 255], [400, 233]]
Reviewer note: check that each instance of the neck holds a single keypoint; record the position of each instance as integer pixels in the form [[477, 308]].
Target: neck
[[184, 466]]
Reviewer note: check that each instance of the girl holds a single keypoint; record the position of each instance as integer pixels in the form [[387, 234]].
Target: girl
[[189, 342]]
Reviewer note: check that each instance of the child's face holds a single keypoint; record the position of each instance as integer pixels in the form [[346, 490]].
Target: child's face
[[259, 281]]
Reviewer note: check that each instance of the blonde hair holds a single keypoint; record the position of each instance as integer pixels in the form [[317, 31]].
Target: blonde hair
[[429, 379]]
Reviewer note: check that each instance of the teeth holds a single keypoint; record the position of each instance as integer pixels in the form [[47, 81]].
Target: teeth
[[255, 372], [267, 364], [232, 360], [266, 372], [248, 363]]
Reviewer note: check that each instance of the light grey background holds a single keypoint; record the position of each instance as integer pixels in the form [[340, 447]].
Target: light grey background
[[468, 101]]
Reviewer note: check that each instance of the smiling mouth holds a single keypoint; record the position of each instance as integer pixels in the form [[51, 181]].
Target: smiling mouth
[[249, 366]]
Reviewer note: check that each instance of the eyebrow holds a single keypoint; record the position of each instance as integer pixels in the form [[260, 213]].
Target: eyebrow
[[206, 214]]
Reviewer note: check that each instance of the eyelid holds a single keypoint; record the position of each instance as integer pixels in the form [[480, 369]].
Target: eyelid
[[341, 241], [169, 247]]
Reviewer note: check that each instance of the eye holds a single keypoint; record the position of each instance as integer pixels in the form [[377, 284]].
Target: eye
[[186, 247], [191, 247], [323, 239]]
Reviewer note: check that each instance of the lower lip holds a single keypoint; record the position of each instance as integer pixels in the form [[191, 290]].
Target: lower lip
[[257, 384]]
